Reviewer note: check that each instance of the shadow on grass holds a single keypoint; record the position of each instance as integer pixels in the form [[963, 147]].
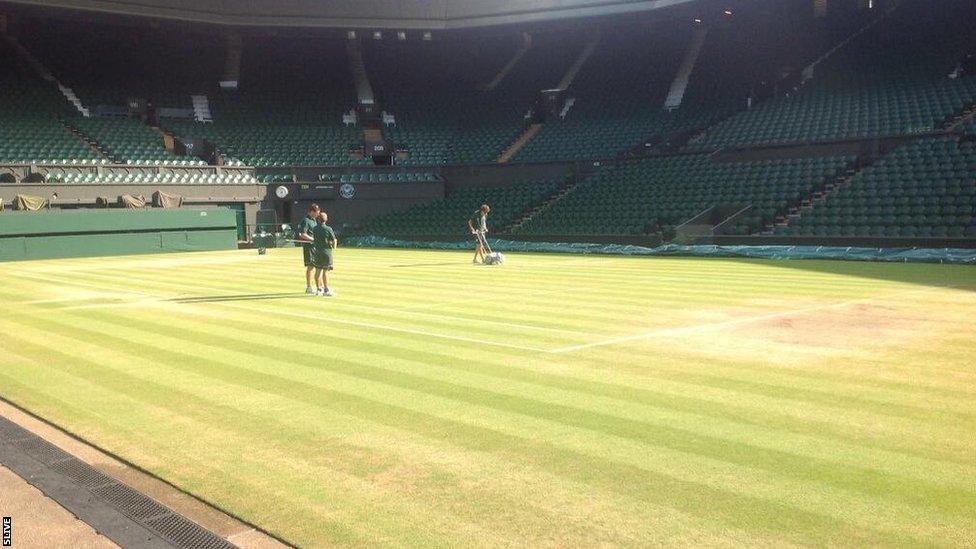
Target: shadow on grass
[[925, 274], [243, 297]]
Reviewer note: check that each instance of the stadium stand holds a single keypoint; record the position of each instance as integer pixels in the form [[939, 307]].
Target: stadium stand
[[653, 169], [450, 213], [878, 85], [30, 129], [74, 178], [619, 94], [276, 129], [127, 140], [655, 194], [926, 188], [434, 92], [105, 64], [290, 110]]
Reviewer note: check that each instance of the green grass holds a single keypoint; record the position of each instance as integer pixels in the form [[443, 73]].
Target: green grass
[[558, 400]]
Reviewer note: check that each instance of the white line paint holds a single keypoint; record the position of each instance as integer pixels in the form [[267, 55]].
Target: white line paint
[[686, 330], [384, 327], [327, 319]]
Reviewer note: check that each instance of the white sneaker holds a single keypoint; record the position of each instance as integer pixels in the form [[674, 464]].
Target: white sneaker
[[329, 293], [320, 291], [310, 291]]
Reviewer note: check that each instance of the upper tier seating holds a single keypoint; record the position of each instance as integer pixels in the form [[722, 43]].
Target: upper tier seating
[[880, 84], [449, 215], [107, 63], [433, 90], [618, 96], [655, 194], [620, 92], [289, 110], [276, 129], [29, 127], [923, 189]]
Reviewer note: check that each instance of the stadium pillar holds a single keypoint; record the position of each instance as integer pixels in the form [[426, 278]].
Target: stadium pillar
[[232, 60]]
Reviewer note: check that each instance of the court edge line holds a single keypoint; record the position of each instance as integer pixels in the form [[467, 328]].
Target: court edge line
[[732, 322]]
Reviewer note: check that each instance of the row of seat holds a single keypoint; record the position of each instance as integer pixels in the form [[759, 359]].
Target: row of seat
[[924, 188], [653, 195], [449, 215], [154, 178]]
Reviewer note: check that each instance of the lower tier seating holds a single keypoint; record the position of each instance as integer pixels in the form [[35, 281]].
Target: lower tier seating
[[449, 215], [924, 189], [128, 140], [654, 194], [152, 179]]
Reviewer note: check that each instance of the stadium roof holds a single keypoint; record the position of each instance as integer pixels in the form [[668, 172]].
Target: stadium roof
[[399, 14]]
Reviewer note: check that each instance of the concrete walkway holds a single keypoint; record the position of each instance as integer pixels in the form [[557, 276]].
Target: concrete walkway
[[38, 521]]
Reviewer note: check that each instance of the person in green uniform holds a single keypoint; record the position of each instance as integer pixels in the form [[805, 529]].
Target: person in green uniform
[[478, 225], [305, 227], [324, 242]]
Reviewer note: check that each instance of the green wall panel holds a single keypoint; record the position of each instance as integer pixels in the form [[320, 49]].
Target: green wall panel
[[81, 221], [98, 233]]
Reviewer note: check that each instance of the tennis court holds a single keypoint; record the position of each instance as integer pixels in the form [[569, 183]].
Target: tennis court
[[558, 400]]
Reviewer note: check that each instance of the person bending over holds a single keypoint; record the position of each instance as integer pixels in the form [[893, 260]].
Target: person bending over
[[304, 233], [478, 224]]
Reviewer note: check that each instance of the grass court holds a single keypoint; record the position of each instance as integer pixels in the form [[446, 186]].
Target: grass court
[[556, 401]]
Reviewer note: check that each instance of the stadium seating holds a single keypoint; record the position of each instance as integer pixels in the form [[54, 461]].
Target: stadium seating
[[69, 178], [655, 194], [923, 189], [879, 85], [434, 92], [30, 130], [128, 140], [618, 96], [110, 63], [276, 129], [448, 216]]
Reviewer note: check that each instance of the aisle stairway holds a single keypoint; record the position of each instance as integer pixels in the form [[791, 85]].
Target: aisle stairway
[[677, 91], [364, 90], [201, 108], [45, 74], [557, 195], [520, 142], [523, 48]]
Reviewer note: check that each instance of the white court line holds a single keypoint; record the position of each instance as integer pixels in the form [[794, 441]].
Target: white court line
[[371, 325], [157, 301], [685, 330], [330, 319]]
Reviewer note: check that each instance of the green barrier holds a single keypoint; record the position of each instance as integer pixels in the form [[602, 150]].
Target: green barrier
[[101, 233], [904, 255], [97, 221]]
